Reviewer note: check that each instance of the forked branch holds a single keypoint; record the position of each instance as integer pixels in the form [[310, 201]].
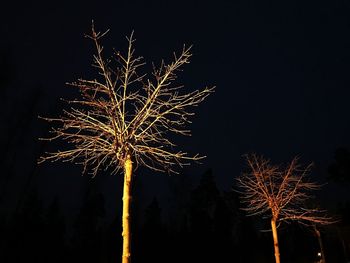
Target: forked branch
[[123, 112], [281, 193]]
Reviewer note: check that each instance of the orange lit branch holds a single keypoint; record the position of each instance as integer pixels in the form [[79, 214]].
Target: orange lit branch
[[280, 192]]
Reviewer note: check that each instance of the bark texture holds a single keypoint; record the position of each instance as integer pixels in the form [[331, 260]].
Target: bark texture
[[126, 210], [275, 240]]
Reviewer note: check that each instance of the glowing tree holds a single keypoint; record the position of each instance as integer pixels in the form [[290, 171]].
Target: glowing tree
[[280, 193], [123, 119]]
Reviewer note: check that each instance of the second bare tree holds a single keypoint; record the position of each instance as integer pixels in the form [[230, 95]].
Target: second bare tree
[[281, 193]]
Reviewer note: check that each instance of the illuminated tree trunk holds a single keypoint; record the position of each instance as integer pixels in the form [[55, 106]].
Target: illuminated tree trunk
[[275, 240], [126, 210]]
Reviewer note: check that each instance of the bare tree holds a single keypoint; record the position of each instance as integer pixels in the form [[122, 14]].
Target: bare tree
[[123, 119], [280, 193]]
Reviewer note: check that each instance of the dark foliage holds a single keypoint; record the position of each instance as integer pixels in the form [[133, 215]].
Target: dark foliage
[[339, 170], [211, 229]]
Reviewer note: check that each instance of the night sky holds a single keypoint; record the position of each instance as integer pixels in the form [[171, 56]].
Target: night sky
[[281, 72]]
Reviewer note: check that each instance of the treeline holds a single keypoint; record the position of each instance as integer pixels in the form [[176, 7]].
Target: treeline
[[207, 226]]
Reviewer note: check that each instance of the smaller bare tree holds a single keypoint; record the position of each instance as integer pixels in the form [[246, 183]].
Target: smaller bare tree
[[281, 193]]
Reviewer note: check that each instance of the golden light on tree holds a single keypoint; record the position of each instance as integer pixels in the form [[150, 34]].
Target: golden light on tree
[[281, 193], [124, 117]]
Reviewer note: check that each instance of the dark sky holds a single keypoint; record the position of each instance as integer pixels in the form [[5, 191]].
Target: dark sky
[[281, 70]]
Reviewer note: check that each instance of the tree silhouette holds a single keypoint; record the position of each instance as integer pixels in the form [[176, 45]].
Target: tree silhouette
[[203, 205], [281, 193], [87, 228], [123, 117], [55, 232], [339, 170], [153, 235], [26, 233]]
